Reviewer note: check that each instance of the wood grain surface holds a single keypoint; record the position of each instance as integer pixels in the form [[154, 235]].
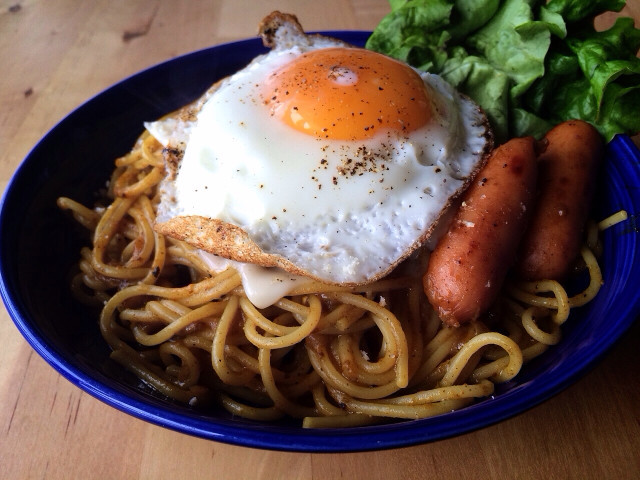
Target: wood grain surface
[[54, 55]]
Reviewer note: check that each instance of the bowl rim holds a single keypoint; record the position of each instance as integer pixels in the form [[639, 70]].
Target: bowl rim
[[276, 437]]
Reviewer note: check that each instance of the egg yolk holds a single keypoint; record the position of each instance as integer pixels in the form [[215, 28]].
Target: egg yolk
[[347, 94]]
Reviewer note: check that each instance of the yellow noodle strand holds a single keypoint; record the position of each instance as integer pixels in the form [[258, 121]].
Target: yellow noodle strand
[[334, 356]]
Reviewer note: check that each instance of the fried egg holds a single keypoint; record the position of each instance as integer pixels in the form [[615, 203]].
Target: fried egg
[[322, 159]]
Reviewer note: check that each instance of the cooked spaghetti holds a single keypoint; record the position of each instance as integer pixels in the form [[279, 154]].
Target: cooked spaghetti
[[331, 356]]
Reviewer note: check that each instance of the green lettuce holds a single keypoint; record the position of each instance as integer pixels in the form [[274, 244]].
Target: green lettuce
[[528, 63]]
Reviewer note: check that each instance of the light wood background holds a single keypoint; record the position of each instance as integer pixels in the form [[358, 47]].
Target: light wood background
[[55, 54]]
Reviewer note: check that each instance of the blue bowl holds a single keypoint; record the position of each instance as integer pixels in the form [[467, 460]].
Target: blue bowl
[[39, 245]]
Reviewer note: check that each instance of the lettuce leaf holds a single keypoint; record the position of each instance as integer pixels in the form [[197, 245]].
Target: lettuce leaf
[[576, 10], [594, 76], [528, 63], [414, 32]]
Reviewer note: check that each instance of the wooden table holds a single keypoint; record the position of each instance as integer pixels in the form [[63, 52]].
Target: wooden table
[[54, 55]]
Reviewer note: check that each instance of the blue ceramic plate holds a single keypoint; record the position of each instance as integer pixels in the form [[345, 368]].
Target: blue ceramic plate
[[39, 244]]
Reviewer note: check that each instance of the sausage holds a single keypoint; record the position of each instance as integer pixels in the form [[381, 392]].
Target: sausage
[[567, 171], [470, 262]]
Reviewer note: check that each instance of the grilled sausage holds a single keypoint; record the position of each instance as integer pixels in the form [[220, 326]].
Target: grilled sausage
[[566, 182], [470, 262]]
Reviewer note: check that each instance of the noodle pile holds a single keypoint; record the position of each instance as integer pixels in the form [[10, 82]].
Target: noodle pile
[[331, 356]]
